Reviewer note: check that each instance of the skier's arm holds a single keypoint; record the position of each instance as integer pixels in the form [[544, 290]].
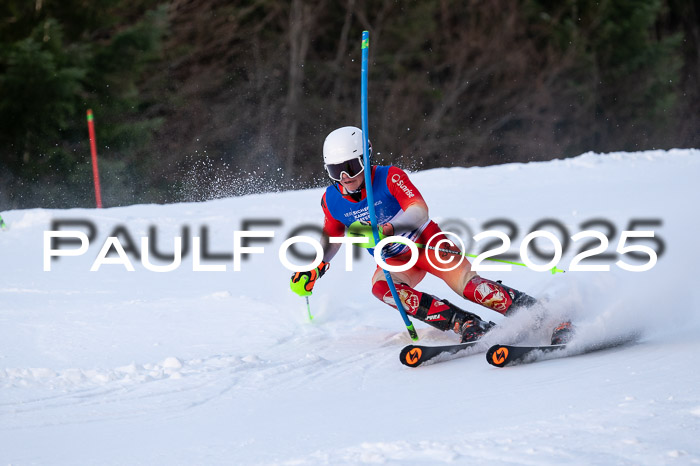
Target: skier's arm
[[302, 283], [415, 210], [329, 249], [331, 227], [413, 217]]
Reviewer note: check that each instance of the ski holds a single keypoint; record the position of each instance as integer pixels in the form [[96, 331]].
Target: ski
[[507, 355], [504, 355], [415, 355]]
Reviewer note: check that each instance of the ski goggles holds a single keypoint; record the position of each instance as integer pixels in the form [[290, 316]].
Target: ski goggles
[[351, 168]]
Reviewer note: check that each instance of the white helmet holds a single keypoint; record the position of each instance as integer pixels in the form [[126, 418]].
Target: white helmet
[[342, 152]]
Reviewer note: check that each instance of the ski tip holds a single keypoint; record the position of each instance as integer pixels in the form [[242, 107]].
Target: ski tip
[[498, 355], [411, 356]]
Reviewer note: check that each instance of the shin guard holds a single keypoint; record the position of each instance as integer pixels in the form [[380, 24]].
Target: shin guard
[[496, 296], [422, 306]]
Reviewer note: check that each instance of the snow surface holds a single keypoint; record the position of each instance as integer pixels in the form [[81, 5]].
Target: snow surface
[[184, 367]]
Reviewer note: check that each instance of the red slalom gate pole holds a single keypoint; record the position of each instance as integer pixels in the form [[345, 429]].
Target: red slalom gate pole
[[93, 150]]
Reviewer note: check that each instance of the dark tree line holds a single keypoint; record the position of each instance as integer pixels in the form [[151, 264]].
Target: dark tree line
[[196, 99]]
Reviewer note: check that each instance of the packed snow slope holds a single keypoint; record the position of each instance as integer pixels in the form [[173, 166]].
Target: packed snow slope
[[224, 367]]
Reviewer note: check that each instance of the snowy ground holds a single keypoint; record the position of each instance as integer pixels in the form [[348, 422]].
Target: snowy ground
[[184, 367]]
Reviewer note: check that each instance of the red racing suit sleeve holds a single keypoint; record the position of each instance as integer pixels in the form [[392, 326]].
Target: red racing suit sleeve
[[401, 187], [331, 225], [415, 210]]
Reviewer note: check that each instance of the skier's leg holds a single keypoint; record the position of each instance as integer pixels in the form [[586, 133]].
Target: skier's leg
[[494, 295], [427, 308], [459, 276], [508, 301]]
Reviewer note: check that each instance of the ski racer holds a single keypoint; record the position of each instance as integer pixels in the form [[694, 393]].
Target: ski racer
[[402, 211]]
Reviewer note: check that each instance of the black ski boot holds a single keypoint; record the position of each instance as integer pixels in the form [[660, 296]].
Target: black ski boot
[[563, 333], [469, 326], [443, 315], [474, 329], [520, 300]]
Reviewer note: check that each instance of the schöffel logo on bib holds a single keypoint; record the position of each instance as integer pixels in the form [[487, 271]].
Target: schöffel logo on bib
[[397, 179]]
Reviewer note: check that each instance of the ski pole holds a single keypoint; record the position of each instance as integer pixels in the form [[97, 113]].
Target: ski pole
[[459, 253], [308, 308], [368, 182]]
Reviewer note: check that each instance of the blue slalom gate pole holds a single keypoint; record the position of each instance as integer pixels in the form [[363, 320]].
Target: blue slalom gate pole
[[368, 183]]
